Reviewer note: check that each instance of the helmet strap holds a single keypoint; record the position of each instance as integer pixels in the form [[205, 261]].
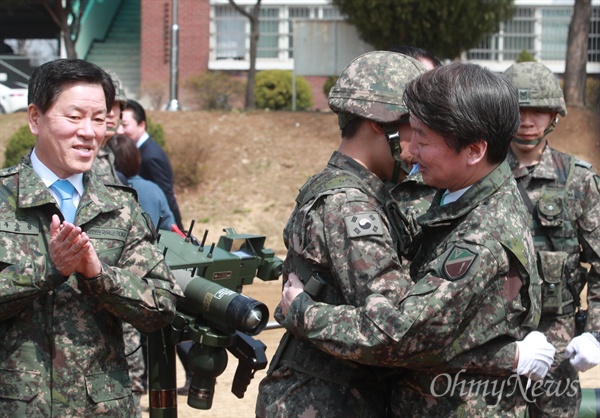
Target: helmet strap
[[393, 138], [536, 142]]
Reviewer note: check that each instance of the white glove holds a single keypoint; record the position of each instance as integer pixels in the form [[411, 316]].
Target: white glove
[[535, 356], [583, 352]]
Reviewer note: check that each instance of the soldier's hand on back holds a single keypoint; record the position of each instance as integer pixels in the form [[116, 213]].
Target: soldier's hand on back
[[535, 356], [292, 288], [583, 352]]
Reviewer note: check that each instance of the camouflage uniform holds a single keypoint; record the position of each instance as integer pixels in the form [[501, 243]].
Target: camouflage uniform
[[104, 166], [563, 241], [306, 379], [339, 231], [412, 197], [475, 284], [62, 351], [563, 197]]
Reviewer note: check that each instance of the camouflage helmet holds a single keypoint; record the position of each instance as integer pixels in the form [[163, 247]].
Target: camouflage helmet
[[537, 87], [372, 85], [119, 90]]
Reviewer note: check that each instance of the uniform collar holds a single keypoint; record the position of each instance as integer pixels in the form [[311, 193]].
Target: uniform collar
[[544, 169]]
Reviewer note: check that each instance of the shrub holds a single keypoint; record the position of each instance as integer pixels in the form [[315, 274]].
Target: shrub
[[329, 83], [156, 92], [215, 90], [156, 131], [273, 90], [525, 56], [187, 156], [18, 146]]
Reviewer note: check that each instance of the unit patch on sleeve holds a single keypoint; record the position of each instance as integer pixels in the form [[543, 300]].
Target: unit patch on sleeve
[[364, 224], [458, 262]]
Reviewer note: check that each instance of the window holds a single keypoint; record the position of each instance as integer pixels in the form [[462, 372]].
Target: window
[[231, 30], [542, 31], [555, 31]]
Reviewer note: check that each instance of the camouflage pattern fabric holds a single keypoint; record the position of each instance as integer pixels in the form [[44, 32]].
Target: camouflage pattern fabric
[[537, 87], [413, 197], [371, 87], [563, 240], [119, 89], [335, 232], [62, 352], [104, 166], [135, 359], [475, 282]]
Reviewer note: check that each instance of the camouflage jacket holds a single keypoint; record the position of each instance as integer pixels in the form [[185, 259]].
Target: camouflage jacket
[[343, 233], [104, 166], [412, 197], [476, 282], [62, 350], [565, 223]]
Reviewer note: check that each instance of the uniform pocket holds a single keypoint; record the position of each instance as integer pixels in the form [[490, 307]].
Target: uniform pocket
[[19, 385], [551, 267], [108, 386]]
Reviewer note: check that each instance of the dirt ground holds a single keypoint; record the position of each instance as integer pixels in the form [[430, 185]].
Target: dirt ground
[[255, 162]]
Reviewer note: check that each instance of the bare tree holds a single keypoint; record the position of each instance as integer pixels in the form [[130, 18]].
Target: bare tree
[[254, 34], [577, 53]]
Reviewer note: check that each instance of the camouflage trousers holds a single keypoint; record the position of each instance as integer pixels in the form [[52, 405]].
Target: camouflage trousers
[[559, 395], [457, 394], [135, 360], [287, 393]]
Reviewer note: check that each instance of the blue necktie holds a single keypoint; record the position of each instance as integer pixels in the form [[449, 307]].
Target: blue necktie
[[65, 190]]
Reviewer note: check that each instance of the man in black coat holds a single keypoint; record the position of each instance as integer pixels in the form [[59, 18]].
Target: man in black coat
[[155, 163]]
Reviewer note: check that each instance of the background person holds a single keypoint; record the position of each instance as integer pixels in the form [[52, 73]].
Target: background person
[[155, 163], [152, 199], [66, 287], [104, 164], [563, 199]]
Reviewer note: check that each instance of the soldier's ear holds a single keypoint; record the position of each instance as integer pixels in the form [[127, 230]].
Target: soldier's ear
[[476, 152], [33, 118]]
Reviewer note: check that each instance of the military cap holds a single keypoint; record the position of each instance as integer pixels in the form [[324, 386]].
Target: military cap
[[119, 90], [371, 86], [537, 87]]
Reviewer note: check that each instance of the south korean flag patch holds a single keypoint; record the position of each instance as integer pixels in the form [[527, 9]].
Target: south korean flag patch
[[364, 224], [458, 263]]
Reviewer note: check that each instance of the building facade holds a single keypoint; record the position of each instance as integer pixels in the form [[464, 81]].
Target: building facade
[[214, 36]]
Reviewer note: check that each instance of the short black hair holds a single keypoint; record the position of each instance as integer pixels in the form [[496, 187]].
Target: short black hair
[[416, 53], [138, 112], [466, 103], [49, 79]]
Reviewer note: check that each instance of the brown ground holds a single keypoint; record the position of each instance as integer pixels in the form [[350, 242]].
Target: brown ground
[[256, 163]]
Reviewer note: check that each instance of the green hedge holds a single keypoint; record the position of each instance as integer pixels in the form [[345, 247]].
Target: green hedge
[[273, 90]]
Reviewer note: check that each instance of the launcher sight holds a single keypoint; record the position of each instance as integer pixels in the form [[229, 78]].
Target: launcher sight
[[213, 314]]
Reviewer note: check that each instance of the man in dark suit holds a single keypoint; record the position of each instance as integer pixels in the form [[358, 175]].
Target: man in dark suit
[[155, 163]]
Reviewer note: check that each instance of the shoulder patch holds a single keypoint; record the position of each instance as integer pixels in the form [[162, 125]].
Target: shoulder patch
[[458, 263], [363, 225]]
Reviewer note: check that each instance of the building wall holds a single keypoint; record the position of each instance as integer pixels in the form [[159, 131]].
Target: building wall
[[193, 20]]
